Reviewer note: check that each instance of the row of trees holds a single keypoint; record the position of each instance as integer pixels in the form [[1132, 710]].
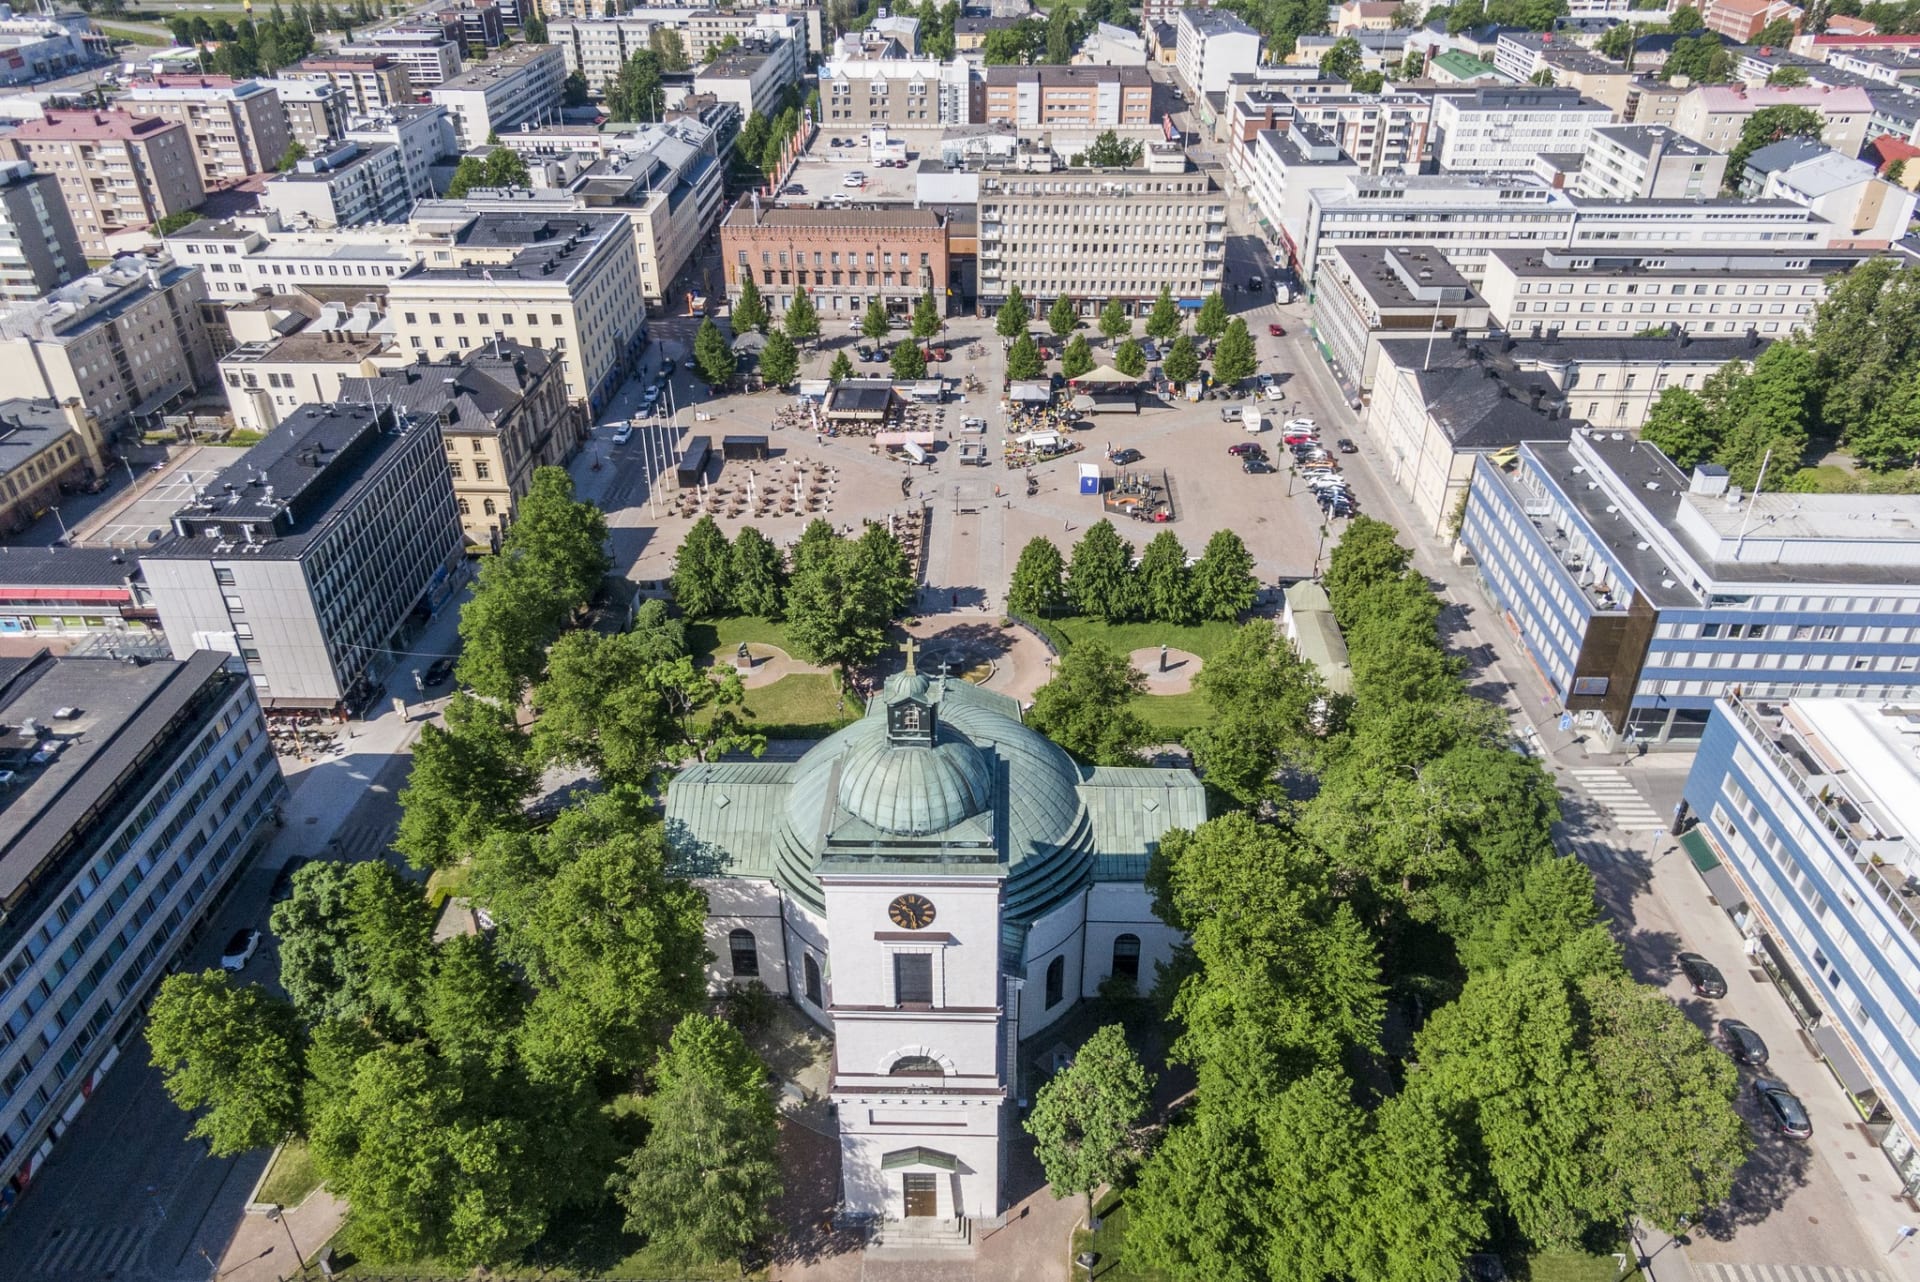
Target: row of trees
[[251, 48], [1104, 580], [503, 167], [837, 594], [1234, 356], [1851, 380], [1051, 40], [1546, 1094]]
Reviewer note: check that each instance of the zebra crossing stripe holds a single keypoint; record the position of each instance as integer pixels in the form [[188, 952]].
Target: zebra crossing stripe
[[1785, 1273]]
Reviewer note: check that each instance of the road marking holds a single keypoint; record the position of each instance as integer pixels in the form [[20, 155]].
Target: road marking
[[88, 1251], [1615, 794], [1784, 1273]]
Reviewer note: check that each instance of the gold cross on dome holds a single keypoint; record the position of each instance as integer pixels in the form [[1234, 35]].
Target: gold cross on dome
[[908, 647]]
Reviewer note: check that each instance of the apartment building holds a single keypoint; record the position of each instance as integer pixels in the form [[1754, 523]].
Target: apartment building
[[263, 255], [117, 171], [429, 56], [124, 341], [39, 248], [306, 557], [1383, 132], [1213, 46], [370, 81], [563, 282], [598, 46], [669, 180], [137, 793], [520, 84], [1522, 55], [1644, 596], [351, 184], [1649, 162], [1866, 211], [1715, 114], [844, 258], [900, 93], [503, 411], [238, 127], [1086, 97], [1282, 168], [1102, 234], [1806, 838], [753, 77], [482, 23], [1376, 292], [1704, 293], [316, 111], [421, 133], [45, 450], [1651, 101], [1464, 217], [267, 381], [75, 592], [1742, 20], [1490, 131], [1697, 224]]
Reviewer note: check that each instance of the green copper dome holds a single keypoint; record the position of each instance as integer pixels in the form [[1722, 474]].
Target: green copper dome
[[914, 791]]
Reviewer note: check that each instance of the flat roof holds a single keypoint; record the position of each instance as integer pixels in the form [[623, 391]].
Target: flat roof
[[28, 427], [1644, 140], [1873, 749], [1679, 263], [1405, 275]]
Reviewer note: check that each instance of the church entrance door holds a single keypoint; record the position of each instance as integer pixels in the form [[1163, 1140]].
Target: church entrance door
[[923, 1195]]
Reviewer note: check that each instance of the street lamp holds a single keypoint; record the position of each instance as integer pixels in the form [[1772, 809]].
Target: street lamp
[[64, 536], [1318, 548], [278, 1213]]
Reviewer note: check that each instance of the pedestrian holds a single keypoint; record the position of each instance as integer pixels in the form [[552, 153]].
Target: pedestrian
[[956, 601]]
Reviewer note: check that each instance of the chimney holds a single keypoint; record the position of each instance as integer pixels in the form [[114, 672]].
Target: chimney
[[1533, 398]]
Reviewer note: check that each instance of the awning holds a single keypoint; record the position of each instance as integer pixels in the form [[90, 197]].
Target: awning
[[1192, 304], [159, 400], [1083, 404], [918, 1157], [1725, 890], [1844, 1066]]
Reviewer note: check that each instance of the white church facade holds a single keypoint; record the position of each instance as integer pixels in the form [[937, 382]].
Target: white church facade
[[933, 884]]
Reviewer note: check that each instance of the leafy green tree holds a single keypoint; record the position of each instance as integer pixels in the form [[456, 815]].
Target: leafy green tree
[[1086, 1118], [1866, 342], [1086, 707], [844, 594], [469, 174], [841, 369], [1182, 364], [1223, 582], [803, 319], [1199, 1205], [908, 362], [1077, 359], [506, 168], [1890, 436], [1550, 916], [702, 1186], [575, 89], [702, 579], [1063, 318], [712, 358], [1115, 324], [1786, 76], [1211, 320], [291, 157], [472, 1004], [1776, 34], [668, 48], [1685, 20], [1129, 359], [1022, 43], [1059, 37], [1367, 555], [1264, 699], [1342, 61], [1024, 360], [1767, 415], [1110, 151], [1770, 125], [1617, 42], [1100, 579], [1680, 427], [355, 944], [1013, 316], [1425, 1213], [1163, 585], [749, 308], [1234, 360], [708, 711], [598, 709], [874, 323], [757, 573], [779, 361], [231, 1054], [532, 27], [926, 317], [468, 780], [635, 93], [1038, 588], [1164, 323], [659, 634], [612, 944], [1703, 59]]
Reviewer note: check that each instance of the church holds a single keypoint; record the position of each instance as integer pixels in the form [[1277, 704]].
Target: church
[[933, 885]]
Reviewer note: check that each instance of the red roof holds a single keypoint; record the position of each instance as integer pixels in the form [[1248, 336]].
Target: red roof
[[91, 125], [1888, 148]]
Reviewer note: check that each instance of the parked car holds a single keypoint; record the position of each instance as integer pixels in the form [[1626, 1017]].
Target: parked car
[[1306, 425], [1277, 330], [239, 950], [1782, 1110], [1703, 975], [1247, 449], [1346, 446], [283, 880], [1121, 458], [795, 189], [1230, 413], [1150, 349], [624, 433], [1275, 392], [1254, 284], [1255, 465], [439, 672], [1743, 1044]]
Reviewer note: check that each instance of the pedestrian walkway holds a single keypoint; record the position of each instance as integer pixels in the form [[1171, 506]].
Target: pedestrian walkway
[[89, 1252], [362, 840], [1784, 1273], [1597, 853], [1615, 793]]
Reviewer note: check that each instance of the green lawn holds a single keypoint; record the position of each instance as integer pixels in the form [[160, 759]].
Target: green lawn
[[1575, 1266], [802, 705], [1124, 638], [712, 636], [134, 36], [445, 883], [1106, 1243], [292, 1175], [1175, 712]]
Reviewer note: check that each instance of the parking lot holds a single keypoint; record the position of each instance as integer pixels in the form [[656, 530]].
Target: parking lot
[[823, 171], [139, 520]]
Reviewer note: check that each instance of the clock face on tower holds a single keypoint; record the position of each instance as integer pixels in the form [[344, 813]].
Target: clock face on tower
[[911, 912]]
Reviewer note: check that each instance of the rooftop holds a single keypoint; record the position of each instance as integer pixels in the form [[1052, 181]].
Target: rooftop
[[1723, 99], [1645, 140], [1463, 65], [855, 220], [28, 427], [469, 397], [1824, 174], [91, 126], [61, 567], [548, 246], [1799, 264], [94, 721], [1404, 276], [99, 296], [1215, 22], [1070, 75], [500, 64]]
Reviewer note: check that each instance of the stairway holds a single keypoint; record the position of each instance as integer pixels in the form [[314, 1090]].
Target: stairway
[[922, 1234]]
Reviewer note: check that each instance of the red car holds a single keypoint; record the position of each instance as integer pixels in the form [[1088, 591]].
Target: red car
[[1278, 331], [937, 354]]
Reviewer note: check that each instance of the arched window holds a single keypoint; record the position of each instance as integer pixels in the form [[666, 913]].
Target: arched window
[[1056, 981], [746, 956], [813, 981], [916, 1066], [1126, 958], [486, 505], [465, 508]]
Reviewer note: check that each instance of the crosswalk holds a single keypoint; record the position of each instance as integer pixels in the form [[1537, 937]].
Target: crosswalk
[[1595, 853], [89, 1252], [1616, 795], [1783, 1273], [367, 839]]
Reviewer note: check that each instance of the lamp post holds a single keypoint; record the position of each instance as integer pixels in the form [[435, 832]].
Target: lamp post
[[1318, 548], [279, 1213], [64, 536]]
